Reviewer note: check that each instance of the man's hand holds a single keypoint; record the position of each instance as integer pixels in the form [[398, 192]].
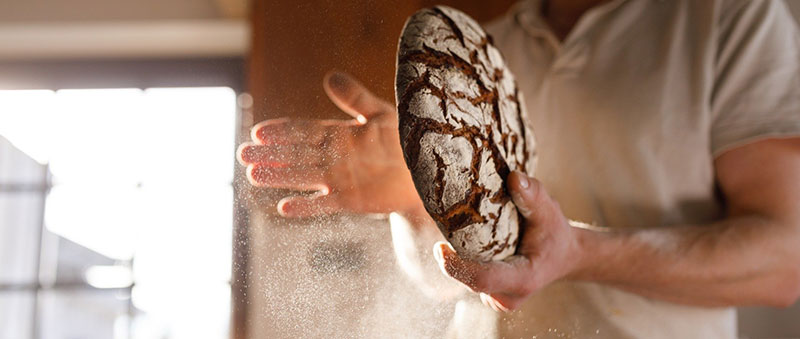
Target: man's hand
[[354, 165], [748, 258], [548, 251]]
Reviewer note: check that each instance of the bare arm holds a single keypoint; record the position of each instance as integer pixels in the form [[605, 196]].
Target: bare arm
[[752, 257]]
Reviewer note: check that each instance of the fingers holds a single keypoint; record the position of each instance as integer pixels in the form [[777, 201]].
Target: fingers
[[297, 143], [493, 303], [280, 155], [297, 178], [511, 277], [506, 302], [301, 207], [273, 131], [353, 98], [287, 131]]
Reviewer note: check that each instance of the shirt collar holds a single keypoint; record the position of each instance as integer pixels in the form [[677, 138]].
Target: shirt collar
[[527, 14]]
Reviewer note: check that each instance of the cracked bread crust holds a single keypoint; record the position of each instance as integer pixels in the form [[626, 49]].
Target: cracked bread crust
[[462, 130]]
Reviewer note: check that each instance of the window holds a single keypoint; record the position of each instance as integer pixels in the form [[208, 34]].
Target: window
[[116, 212]]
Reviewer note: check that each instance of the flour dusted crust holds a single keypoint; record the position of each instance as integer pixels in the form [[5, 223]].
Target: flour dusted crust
[[462, 130]]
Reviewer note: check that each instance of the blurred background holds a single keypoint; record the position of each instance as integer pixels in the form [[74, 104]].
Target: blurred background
[[117, 135], [123, 213]]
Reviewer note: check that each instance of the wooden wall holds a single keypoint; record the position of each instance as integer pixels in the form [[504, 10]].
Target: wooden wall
[[296, 42]]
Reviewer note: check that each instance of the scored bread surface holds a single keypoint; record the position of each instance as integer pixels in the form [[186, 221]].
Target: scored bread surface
[[462, 130]]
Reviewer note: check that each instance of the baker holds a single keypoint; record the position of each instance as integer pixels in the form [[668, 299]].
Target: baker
[[668, 178]]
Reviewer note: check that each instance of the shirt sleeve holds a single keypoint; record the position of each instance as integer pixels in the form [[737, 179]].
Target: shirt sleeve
[[756, 90]]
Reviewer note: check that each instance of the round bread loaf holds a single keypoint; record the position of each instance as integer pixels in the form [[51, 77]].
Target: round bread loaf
[[462, 129]]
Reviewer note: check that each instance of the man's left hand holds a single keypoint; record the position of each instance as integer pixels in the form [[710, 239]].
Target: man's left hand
[[548, 251]]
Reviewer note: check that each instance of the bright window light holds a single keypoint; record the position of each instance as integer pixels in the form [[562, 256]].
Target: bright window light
[[25, 117], [143, 175], [194, 128], [104, 219], [109, 276]]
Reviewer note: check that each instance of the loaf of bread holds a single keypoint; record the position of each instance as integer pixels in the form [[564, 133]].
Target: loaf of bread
[[462, 130]]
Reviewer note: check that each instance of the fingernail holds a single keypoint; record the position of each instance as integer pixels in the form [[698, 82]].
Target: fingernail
[[240, 153], [257, 174], [437, 253], [283, 208], [484, 300], [523, 180], [247, 154], [516, 197], [500, 306], [261, 134]]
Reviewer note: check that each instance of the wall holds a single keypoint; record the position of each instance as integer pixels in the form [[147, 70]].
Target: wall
[[31, 11]]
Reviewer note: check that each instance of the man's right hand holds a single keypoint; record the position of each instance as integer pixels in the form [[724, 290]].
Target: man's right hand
[[354, 165]]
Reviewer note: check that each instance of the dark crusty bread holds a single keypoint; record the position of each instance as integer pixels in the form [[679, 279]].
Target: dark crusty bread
[[462, 129]]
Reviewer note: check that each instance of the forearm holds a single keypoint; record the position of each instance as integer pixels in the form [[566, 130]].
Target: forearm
[[743, 260]]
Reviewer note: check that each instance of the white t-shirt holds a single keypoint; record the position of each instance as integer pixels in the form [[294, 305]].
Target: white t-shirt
[[629, 113]]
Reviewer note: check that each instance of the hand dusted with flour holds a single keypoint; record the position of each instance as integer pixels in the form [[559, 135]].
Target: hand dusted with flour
[[462, 130]]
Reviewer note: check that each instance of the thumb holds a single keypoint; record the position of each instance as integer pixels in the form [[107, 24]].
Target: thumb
[[528, 194], [353, 98]]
